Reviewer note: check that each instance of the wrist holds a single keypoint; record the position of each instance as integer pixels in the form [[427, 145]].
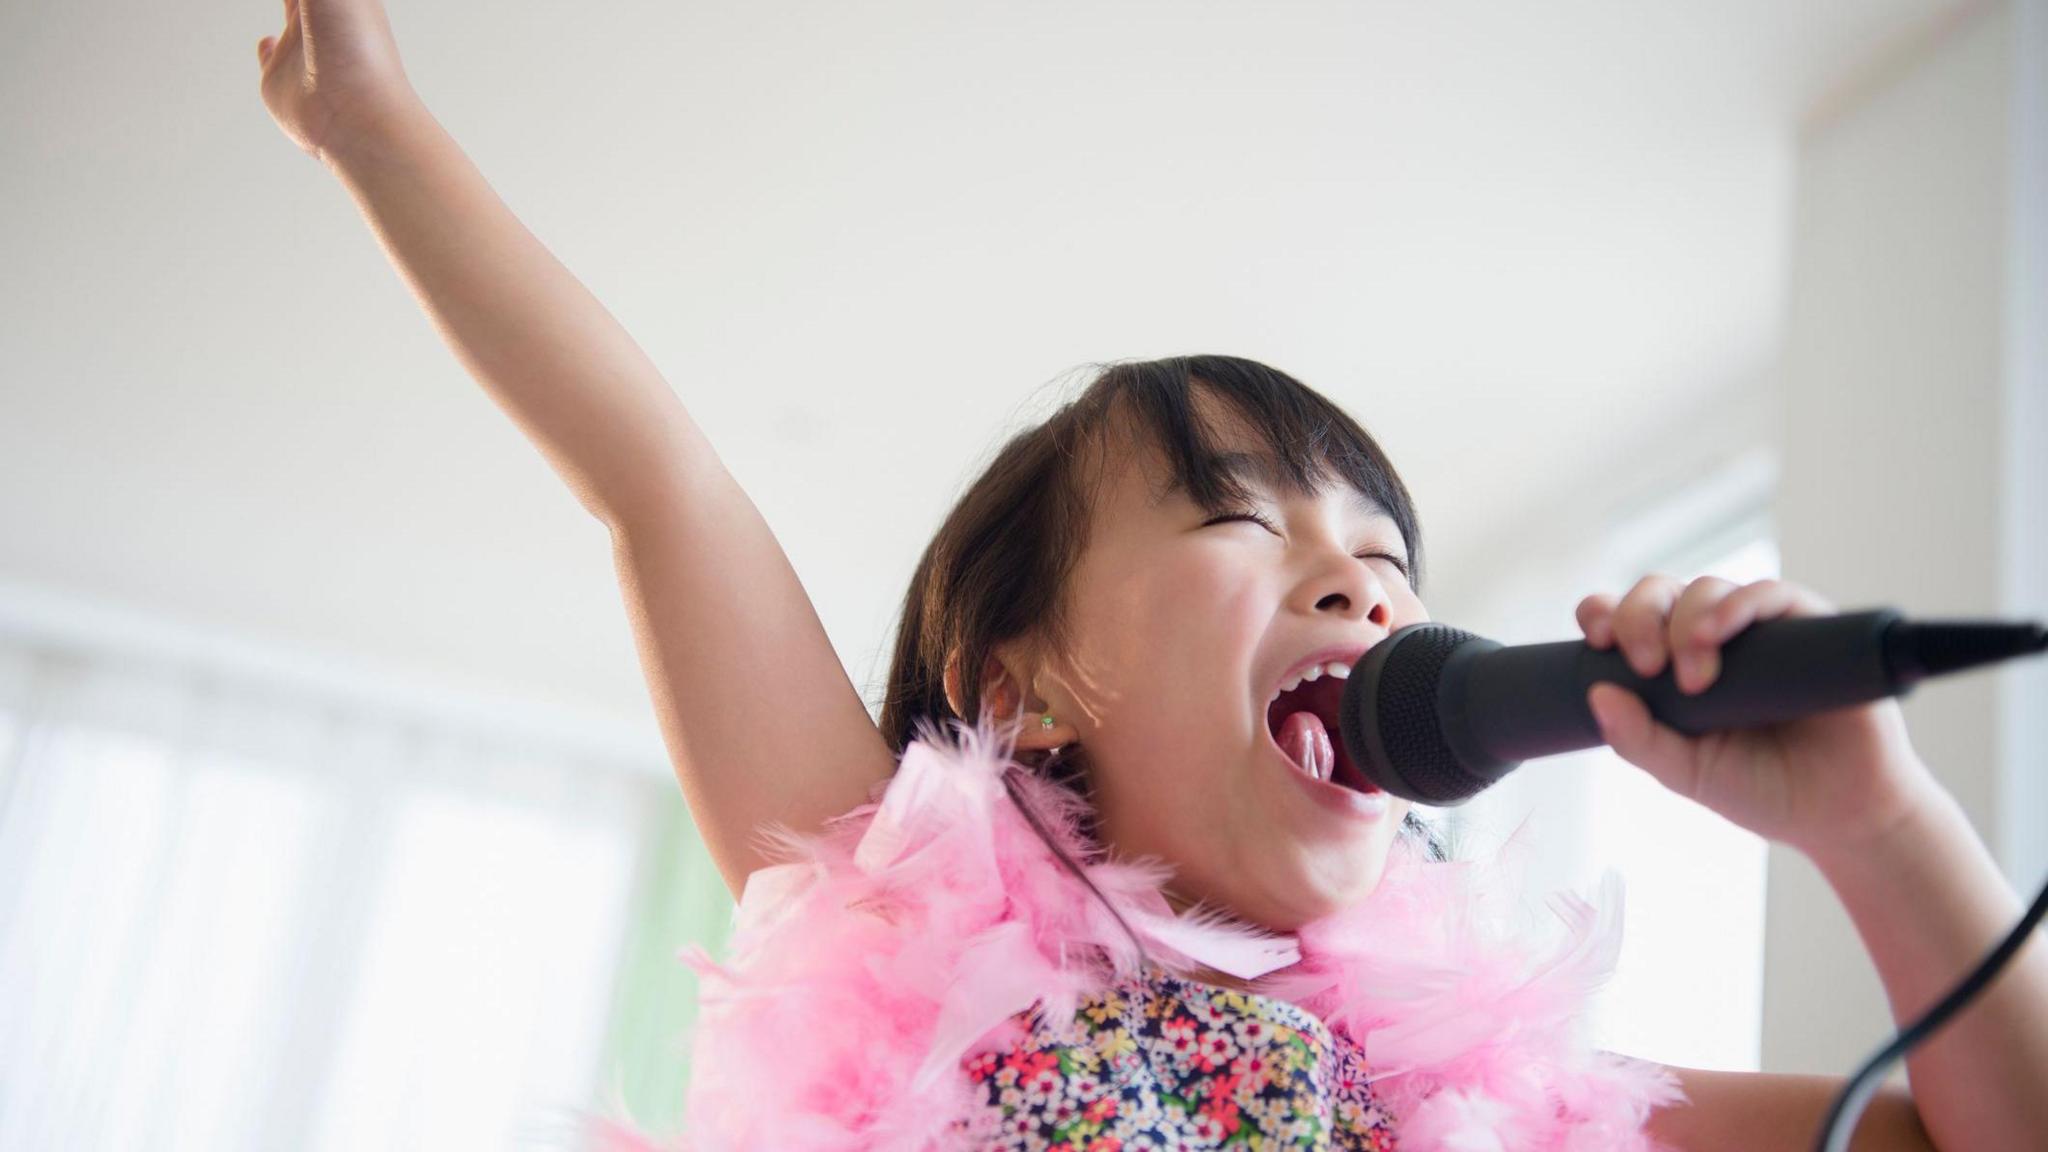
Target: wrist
[[1932, 816], [375, 131]]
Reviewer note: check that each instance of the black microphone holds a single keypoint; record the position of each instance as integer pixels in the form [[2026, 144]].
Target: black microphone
[[1435, 714]]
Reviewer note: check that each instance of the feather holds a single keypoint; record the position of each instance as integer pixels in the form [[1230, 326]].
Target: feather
[[921, 929]]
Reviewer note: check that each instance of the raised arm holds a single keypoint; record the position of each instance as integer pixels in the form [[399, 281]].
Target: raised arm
[[760, 720]]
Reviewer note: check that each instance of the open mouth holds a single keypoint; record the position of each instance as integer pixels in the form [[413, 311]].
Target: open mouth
[[1302, 722]]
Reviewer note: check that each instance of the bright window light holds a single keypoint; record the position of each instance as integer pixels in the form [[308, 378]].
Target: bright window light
[[1689, 986], [494, 927], [347, 946]]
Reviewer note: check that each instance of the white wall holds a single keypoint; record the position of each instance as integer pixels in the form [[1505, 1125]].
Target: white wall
[[855, 238], [1901, 469], [2022, 841]]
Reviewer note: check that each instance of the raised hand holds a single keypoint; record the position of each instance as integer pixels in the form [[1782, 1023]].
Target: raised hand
[[1832, 781], [333, 75]]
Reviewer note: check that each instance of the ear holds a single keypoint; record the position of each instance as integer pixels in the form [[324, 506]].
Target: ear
[[1002, 697]]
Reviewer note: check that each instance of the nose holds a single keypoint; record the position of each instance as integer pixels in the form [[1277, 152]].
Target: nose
[[1348, 588]]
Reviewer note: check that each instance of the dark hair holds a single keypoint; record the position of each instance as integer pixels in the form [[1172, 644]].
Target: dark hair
[[998, 567]]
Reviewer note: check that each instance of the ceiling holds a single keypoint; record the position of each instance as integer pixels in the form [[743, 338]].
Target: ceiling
[[1525, 245]]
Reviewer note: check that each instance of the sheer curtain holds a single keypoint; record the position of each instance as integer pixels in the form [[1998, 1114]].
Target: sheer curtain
[[233, 916]]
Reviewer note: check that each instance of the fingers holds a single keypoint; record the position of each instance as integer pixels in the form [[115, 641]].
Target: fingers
[[1636, 736], [1639, 623], [1763, 600], [267, 47], [1660, 619], [1696, 661], [1595, 615]]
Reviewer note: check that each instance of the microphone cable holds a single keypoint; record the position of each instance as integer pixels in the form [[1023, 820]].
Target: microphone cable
[[1849, 1103]]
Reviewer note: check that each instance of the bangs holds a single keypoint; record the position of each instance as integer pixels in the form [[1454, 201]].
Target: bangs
[[1306, 441]]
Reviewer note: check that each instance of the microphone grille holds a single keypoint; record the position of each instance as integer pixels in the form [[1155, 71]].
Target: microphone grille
[[1410, 728]]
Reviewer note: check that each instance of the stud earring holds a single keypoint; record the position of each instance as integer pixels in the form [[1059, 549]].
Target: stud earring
[[1046, 723]]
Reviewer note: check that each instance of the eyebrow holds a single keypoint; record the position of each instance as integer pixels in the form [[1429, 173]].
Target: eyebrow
[[1262, 470]]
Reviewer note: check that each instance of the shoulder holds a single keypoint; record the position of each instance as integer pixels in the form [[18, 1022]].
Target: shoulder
[[1779, 1112]]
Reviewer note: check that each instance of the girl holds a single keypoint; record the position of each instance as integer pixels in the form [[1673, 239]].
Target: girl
[[1142, 901]]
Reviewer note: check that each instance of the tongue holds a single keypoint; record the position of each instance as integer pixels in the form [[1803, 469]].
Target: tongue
[[1307, 743]]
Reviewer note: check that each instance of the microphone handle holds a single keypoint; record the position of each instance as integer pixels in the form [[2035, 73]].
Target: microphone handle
[[1772, 671]]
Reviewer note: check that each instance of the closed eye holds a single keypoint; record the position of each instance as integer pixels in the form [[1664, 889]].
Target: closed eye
[[1254, 517], [1398, 563]]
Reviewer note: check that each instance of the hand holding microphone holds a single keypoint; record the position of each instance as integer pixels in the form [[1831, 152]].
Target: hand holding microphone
[[1758, 701]]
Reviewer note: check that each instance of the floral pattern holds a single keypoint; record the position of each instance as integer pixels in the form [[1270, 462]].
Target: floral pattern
[[1167, 1063]]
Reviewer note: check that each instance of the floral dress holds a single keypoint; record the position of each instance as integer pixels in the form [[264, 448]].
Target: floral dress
[[1168, 1063]]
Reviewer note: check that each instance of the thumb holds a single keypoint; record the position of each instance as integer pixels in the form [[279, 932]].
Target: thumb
[[263, 48], [1636, 736]]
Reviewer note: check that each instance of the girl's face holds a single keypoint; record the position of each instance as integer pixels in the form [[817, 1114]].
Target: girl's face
[[1180, 633]]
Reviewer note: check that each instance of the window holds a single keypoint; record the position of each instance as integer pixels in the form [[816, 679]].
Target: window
[[1688, 986], [240, 920], [1688, 989]]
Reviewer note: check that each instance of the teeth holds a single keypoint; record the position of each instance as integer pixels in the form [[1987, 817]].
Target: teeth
[[1335, 668]]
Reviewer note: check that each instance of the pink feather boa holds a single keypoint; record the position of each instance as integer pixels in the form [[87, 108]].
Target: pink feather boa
[[912, 932]]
